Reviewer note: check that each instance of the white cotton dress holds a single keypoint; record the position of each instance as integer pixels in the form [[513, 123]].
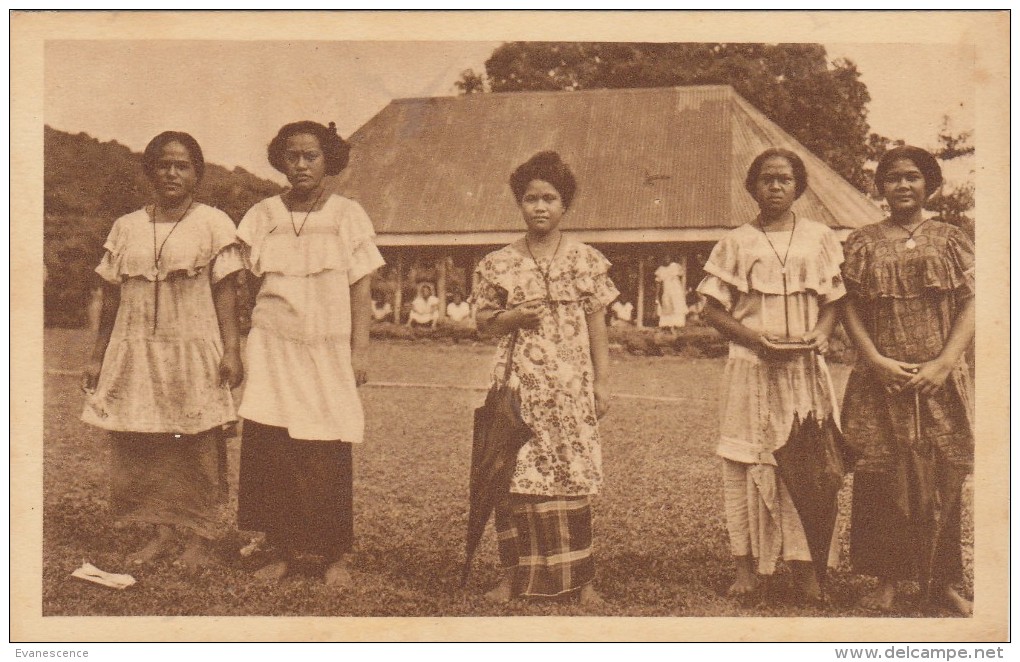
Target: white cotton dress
[[299, 373], [162, 375]]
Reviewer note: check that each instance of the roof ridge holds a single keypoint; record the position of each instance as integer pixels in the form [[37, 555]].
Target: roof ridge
[[587, 92]]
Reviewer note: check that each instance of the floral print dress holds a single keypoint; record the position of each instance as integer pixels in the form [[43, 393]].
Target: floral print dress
[[552, 364]]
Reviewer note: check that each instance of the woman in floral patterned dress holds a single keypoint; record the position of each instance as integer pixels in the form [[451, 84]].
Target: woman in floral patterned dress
[[553, 292], [911, 315]]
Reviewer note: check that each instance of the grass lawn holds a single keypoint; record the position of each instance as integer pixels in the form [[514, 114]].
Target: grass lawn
[[660, 537]]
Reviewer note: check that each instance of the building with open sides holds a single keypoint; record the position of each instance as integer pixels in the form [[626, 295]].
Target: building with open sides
[[660, 176]]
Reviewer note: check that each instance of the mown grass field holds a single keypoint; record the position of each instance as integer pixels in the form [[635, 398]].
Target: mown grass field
[[660, 537]]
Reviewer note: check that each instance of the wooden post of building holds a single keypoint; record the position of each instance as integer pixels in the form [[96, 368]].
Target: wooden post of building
[[441, 265], [398, 292], [640, 319]]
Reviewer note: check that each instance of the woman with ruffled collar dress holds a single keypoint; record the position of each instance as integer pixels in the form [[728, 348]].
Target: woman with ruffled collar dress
[[167, 355], [774, 279], [910, 396], [314, 254]]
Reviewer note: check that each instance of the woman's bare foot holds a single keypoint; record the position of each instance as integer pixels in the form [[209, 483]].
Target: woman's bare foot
[[880, 599], [503, 591], [273, 572], [589, 597], [806, 580], [155, 548], [746, 581], [952, 598], [196, 555], [338, 574]]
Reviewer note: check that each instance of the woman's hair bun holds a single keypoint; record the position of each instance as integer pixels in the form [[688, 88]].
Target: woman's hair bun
[[332, 127]]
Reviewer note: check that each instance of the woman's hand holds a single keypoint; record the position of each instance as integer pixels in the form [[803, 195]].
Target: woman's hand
[[231, 369], [893, 374], [929, 377], [817, 341], [601, 399], [527, 315], [360, 366], [90, 376]]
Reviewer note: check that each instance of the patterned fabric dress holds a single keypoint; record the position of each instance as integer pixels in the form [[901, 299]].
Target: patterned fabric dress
[[547, 536], [159, 389], [760, 398], [908, 299], [301, 406]]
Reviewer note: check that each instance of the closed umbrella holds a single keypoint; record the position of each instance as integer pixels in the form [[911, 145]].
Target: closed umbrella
[[499, 433]]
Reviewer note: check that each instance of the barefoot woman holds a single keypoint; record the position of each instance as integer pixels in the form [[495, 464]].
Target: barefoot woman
[[553, 291], [776, 276], [314, 253], [167, 353], [911, 315]]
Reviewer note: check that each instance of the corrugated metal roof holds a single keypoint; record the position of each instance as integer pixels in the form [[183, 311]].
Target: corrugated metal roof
[[654, 158]]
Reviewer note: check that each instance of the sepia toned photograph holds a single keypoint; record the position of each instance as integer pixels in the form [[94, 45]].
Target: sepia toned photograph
[[675, 328]]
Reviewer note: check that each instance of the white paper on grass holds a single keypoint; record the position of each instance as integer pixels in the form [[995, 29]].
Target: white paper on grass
[[91, 573]]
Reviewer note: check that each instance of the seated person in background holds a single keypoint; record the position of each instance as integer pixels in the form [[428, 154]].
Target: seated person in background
[[424, 308], [459, 310], [381, 311], [622, 313]]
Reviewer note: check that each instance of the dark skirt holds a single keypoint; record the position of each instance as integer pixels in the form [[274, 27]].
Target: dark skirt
[[299, 492], [546, 543], [886, 543], [169, 480]]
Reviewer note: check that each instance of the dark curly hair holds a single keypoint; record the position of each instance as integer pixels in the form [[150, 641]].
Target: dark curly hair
[[547, 167], [921, 158], [156, 145], [335, 149], [799, 171]]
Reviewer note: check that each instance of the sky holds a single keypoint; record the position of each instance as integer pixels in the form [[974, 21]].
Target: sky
[[234, 95]]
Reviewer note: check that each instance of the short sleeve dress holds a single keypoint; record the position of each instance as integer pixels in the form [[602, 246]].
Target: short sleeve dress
[[760, 398], [908, 298], [545, 533], [159, 389], [301, 407], [299, 348]]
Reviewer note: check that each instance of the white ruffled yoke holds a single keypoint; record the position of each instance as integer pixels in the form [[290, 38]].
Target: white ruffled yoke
[[759, 399], [165, 380], [299, 348]]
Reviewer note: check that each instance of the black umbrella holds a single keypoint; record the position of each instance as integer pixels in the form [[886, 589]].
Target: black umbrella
[[499, 434], [925, 506], [811, 465]]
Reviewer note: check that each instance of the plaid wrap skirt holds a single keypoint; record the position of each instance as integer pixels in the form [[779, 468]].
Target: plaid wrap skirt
[[546, 542]]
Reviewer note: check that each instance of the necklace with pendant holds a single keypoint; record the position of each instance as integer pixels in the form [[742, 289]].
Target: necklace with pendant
[[910, 243], [782, 264], [157, 254], [298, 229]]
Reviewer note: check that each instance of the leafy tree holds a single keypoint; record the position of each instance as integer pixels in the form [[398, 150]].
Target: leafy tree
[[822, 104]]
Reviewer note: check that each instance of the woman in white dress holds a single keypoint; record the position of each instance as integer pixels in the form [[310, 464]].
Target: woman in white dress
[[424, 308], [314, 253], [166, 355], [671, 291], [775, 278]]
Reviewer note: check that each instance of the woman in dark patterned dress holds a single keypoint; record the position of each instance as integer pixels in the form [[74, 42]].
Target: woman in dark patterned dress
[[911, 314]]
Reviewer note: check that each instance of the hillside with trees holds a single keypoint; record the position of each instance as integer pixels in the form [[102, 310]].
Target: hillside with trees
[[86, 185]]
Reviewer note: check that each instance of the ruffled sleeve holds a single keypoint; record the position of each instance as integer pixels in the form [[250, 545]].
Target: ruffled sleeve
[[595, 289], [486, 294], [857, 262], [109, 268], [726, 271], [961, 261], [226, 252], [828, 272], [252, 232], [357, 228]]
